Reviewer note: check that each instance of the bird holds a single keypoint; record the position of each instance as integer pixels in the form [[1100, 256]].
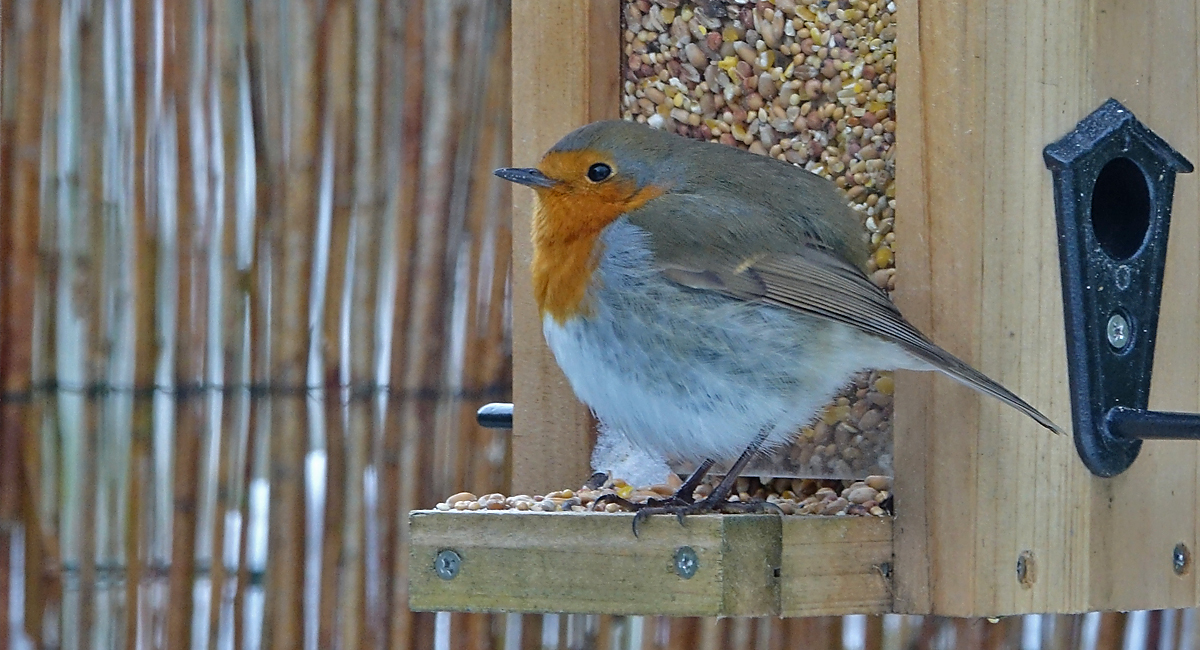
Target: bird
[[706, 301]]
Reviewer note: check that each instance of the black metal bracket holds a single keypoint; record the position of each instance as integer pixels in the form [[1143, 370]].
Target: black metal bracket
[[1114, 180]]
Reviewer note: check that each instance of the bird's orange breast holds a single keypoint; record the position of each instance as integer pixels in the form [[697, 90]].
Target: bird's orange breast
[[566, 250]]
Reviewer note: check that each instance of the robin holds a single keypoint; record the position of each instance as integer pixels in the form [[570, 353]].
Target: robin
[[707, 302]]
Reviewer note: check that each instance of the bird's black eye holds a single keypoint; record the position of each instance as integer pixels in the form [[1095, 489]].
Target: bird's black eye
[[599, 172]]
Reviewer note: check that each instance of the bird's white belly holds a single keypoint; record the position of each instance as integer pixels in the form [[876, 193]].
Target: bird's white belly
[[689, 375]]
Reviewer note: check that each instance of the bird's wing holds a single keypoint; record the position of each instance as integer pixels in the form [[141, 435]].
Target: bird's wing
[[813, 280]]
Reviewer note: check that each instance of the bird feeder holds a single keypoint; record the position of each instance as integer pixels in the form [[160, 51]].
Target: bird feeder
[[1047, 280]]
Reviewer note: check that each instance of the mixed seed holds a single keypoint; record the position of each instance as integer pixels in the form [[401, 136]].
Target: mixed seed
[[809, 83], [869, 497]]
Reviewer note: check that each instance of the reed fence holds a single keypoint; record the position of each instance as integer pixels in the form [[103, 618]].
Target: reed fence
[[254, 280]]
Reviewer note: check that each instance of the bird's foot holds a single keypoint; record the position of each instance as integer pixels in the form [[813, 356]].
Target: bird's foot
[[713, 503], [675, 500], [684, 495]]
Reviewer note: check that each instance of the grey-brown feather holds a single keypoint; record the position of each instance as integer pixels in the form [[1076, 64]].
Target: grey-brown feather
[[815, 282], [794, 266]]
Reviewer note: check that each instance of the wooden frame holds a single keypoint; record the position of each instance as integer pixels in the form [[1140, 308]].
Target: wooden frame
[[748, 565], [979, 491], [986, 87]]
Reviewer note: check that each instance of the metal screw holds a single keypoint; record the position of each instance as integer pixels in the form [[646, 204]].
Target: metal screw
[[1118, 331], [1026, 570], [686, 562], [1181, 559], [446, 564]]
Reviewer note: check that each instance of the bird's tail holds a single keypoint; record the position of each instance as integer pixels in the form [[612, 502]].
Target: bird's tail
[[939, 359]]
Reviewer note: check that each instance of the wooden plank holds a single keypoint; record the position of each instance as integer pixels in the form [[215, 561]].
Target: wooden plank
[[1159, 497], [748, 565], [566, 73], [976, 484], [751, 568], [566, 563], [836, 565], [912, 294], [986, 87]]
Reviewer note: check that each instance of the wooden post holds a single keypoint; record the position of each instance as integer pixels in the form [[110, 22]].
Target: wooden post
[[986, 86], [566, 62]]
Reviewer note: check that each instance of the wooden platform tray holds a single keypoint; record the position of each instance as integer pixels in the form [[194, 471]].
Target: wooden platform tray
[[745, 565]]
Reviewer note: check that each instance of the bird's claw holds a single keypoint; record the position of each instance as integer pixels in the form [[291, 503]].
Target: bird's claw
[[604, 499], [673, 500], [705, 506]]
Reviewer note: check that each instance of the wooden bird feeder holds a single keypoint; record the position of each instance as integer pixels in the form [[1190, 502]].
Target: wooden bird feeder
[[993, 516]]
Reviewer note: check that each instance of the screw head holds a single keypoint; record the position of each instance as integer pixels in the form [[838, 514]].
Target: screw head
[[1181, 559], [447, 563], [1026, 569], [686, 562], [1118, 331]]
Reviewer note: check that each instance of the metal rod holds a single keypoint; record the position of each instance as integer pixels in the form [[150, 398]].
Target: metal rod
[[497, 415], [1135, 424]]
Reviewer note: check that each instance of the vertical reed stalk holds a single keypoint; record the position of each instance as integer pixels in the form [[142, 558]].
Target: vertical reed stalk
[[337, 396], [349, 86], [179, 72], [224, 80], [369, 346], [207, 329], [475, 288], [1189, 629], [335, 536], [335, 66], [114, 332], [768, 635], [88, 288], [10, 440], [44, 452], [405, 92], [969, 632], [682, 631], [1112, 630], [487, 359], [1154, 628], [20, 144], [9, 434], [145, 290], [290, 236], [229, 542], [264, 72], [1005, 633], [7, 532], [1060, 631], [464, 94], [740, 633], [874, 634], [712, 635], [266, 109]]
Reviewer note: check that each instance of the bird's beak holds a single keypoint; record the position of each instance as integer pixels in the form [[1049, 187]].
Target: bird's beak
[[528, 176]]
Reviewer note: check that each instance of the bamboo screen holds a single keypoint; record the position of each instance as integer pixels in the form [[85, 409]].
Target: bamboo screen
[[253, 284], [255, 271]]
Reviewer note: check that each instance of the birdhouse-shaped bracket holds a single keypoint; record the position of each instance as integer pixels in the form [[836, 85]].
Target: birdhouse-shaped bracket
[[1114, 180]]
